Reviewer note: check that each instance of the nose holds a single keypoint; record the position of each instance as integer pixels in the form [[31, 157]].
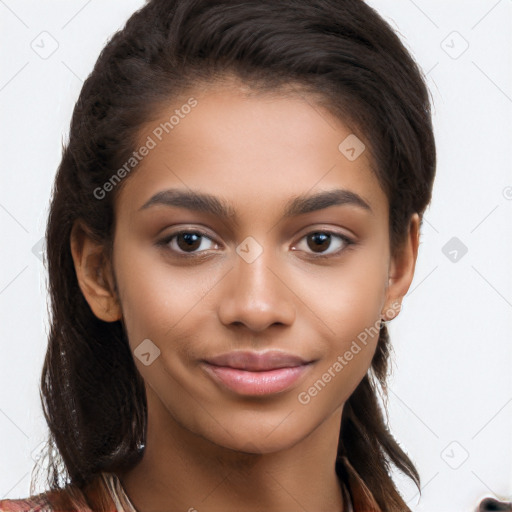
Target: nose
[[256, 294]]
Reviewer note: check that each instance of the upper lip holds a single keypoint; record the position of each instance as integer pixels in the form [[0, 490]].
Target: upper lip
[[257, 361]]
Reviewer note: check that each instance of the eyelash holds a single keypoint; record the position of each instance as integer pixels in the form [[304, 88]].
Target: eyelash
[[166, 241]]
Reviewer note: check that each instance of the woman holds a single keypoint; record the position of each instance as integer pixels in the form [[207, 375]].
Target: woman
[[235, 218]]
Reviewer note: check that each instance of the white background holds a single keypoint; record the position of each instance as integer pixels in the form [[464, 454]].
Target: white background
[[450, 400]]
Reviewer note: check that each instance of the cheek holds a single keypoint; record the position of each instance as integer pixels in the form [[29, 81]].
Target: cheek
[[348, 356], [348, 299], [155, 296], [350, 312]]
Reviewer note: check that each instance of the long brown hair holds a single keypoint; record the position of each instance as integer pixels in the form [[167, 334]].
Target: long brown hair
[[344, 53]]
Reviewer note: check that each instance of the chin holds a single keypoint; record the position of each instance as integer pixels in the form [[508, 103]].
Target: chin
[[257, 439]]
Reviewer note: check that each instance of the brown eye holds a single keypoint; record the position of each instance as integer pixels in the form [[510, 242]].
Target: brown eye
[[188, 242], [321, 242]]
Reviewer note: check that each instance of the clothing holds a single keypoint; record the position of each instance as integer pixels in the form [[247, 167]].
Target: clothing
[[356, 497]]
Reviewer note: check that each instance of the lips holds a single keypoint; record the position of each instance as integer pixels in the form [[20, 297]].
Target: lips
[[256, 374], [255, 362]]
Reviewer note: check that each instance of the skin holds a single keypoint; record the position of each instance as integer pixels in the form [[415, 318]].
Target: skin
[[207, 447]]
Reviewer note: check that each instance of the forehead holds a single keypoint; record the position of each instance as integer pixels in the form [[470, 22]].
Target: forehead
[[254, 149]]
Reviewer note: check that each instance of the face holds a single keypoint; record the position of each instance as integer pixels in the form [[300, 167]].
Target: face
[[297, 263]]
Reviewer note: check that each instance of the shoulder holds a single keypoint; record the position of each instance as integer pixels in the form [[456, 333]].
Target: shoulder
[[36, 503], [94, 497]]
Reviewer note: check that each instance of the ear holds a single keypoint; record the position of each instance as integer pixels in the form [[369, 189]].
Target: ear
[[401, 270], [94, 274]]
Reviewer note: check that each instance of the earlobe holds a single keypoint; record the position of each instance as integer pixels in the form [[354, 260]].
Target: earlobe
[[401, 271], [94, 274]]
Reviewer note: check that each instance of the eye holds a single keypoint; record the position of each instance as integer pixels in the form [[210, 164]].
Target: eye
[[193, 242], [320, 242], [187, 242]]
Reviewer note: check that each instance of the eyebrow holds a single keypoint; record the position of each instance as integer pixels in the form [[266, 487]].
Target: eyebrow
[[207, 203]]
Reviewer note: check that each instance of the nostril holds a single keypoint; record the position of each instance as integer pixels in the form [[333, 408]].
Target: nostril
[[489, 504]]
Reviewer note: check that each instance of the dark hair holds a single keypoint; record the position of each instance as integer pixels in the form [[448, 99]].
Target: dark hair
[[344, 54]]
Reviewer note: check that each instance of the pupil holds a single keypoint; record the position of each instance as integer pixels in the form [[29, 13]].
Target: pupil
[[321, 241], [190, 239]]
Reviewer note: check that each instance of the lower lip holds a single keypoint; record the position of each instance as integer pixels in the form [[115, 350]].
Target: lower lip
[[256, 383]]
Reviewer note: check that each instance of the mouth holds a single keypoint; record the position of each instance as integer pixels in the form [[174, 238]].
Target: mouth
[[256, 374]]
